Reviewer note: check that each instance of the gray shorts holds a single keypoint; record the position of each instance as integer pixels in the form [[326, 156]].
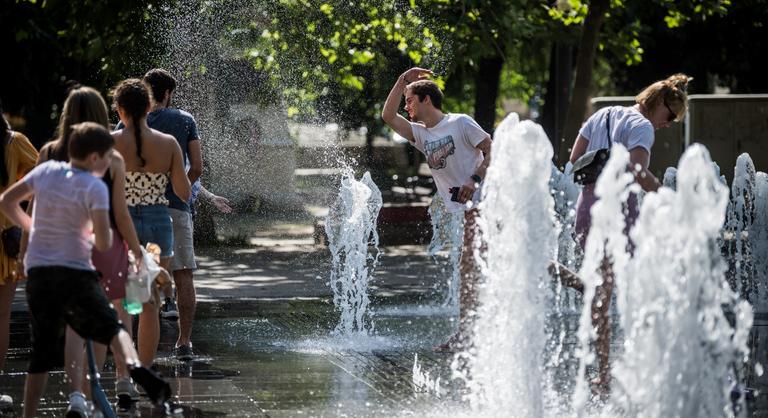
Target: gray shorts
[[183, 249]]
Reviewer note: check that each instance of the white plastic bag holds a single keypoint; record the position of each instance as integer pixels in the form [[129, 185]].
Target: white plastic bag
[[148, 271]]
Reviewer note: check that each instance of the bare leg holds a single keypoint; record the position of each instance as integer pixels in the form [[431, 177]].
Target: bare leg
[[470, 273], [124, 352], [100, 350], [73, 359], [126, 357], [7, 291], [34, 387], [567, 277], [601, 319], [166, 291], [186, 301], [149, 332], [149, 326], [127, 321]]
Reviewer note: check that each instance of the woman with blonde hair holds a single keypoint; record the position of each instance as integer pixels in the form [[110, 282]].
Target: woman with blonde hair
[[85, 104], [656, 107], [17, 157]]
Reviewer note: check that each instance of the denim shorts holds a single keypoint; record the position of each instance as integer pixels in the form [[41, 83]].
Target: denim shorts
[[153, 224]]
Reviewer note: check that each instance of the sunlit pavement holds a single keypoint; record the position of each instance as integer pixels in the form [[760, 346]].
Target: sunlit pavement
[[264, 345]]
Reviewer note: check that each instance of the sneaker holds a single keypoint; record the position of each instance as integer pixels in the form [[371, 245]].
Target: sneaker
[[126, 391], [158, 390], [184, 352], [78, 407], [6, 402], [169, 310]]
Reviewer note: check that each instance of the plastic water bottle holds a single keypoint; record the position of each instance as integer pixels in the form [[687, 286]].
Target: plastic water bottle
[[132, 301]]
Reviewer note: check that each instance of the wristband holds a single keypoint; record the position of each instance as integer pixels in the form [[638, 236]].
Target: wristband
[[476, 178]]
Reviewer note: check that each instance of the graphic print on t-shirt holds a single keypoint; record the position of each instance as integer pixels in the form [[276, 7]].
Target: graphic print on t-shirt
[[438, 151]]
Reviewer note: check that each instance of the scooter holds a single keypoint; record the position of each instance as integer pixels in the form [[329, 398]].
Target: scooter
[[99, 397]]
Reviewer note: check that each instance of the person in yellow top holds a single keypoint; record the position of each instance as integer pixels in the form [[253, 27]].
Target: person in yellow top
[[17, 157]]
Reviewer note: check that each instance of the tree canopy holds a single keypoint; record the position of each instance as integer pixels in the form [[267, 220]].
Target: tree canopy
[[336, 60], [54, 44]]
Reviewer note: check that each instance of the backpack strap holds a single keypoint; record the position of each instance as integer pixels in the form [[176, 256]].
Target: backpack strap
[[608, 127]]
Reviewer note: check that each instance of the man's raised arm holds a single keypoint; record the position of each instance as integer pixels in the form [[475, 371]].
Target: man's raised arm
[[389, 114]]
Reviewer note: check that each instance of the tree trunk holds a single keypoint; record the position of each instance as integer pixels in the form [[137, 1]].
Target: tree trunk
[[487, 91], [585, 61], [556, 98]]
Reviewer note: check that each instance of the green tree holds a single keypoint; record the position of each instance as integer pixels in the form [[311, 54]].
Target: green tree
[[332, 61], [495, 47], [721, 51], [322, 53], [591, 16], [54, 44]]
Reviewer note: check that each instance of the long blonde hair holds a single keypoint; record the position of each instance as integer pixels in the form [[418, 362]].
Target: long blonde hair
[[83, 104], [672, 92]]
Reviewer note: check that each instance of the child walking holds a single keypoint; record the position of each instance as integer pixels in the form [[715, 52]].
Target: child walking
[[70, 217]]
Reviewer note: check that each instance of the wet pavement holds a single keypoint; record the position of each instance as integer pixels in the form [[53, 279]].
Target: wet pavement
[[264, 345]]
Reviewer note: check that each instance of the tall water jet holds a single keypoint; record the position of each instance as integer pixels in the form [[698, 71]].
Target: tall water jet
[[679, 345], [564, 303], [758, 235], [565, 193], [606, 242], [738, 222], [516, 221], [351, 230]]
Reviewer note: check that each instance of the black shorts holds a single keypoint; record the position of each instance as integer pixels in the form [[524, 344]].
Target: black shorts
[[60, 296]]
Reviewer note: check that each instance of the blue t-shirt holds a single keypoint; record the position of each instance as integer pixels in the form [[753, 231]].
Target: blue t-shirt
[[182, 126], [61, 218]]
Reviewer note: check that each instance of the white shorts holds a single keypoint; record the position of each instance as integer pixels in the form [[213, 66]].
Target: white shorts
[[183, 249]]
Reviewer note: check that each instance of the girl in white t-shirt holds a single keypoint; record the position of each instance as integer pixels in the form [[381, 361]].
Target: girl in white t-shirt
[[657, 106]]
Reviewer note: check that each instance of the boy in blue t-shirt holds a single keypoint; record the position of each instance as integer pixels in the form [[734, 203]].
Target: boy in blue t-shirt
[[71, 204]]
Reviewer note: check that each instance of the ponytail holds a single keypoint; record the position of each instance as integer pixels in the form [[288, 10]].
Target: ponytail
[[137, 131], [132, 95]]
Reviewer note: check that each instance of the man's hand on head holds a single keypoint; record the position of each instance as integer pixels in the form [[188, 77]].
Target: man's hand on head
[[416, 73]]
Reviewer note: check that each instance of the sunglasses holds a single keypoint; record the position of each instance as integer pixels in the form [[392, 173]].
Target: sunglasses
[[672, 115]]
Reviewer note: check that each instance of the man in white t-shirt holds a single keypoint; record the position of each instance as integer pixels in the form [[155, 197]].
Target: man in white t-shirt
[[458, 152]]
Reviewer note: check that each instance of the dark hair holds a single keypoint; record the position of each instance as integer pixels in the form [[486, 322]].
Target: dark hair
[[5, 128], [160, 81], [132, 96], [83, 104], [87, 138], [424, 88]]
